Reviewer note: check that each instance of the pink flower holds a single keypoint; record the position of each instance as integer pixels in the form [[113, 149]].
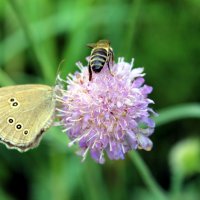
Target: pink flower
[[109, 114]]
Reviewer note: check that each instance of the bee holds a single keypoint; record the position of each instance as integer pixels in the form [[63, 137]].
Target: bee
[[101, 54]]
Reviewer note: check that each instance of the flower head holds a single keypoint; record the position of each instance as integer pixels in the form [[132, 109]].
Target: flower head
[[109, 114]]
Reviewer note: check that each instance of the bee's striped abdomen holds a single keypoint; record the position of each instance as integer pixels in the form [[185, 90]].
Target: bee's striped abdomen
[[100, 51], [98, 59], [101, 54]]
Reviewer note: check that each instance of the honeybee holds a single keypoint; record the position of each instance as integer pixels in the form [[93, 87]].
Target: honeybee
[[101, 54]]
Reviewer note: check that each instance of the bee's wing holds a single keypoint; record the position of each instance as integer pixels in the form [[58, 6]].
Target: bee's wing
[[91, 45]]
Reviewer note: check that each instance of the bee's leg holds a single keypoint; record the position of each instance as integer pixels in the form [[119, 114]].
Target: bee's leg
[[109, 68], [110, 60], [112, 56], [90, 72]]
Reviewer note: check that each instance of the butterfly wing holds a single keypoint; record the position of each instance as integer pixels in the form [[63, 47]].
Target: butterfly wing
[[26, 111]]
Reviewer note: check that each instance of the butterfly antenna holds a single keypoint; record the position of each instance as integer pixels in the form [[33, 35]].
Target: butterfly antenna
[[58, 77], [58, 82]]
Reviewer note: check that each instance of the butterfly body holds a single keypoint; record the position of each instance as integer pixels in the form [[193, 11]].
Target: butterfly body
[[26, 111]]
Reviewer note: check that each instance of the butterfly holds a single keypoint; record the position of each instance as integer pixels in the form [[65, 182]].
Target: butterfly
[[26, 112]]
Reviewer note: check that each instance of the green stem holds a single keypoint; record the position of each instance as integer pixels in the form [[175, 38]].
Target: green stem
[[178, 112], [175, 191], [5, 79], [133, 16], [147, 176], [93, 174], [58, 191], [46, 69], [165, 116]]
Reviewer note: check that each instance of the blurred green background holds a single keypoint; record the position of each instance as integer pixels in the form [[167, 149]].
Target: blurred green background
[[164, 37]]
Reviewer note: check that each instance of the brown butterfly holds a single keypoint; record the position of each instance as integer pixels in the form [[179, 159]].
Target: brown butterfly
[[26, 111]]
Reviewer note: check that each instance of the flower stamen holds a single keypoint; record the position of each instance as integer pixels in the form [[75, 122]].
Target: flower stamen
[[107, 114]]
